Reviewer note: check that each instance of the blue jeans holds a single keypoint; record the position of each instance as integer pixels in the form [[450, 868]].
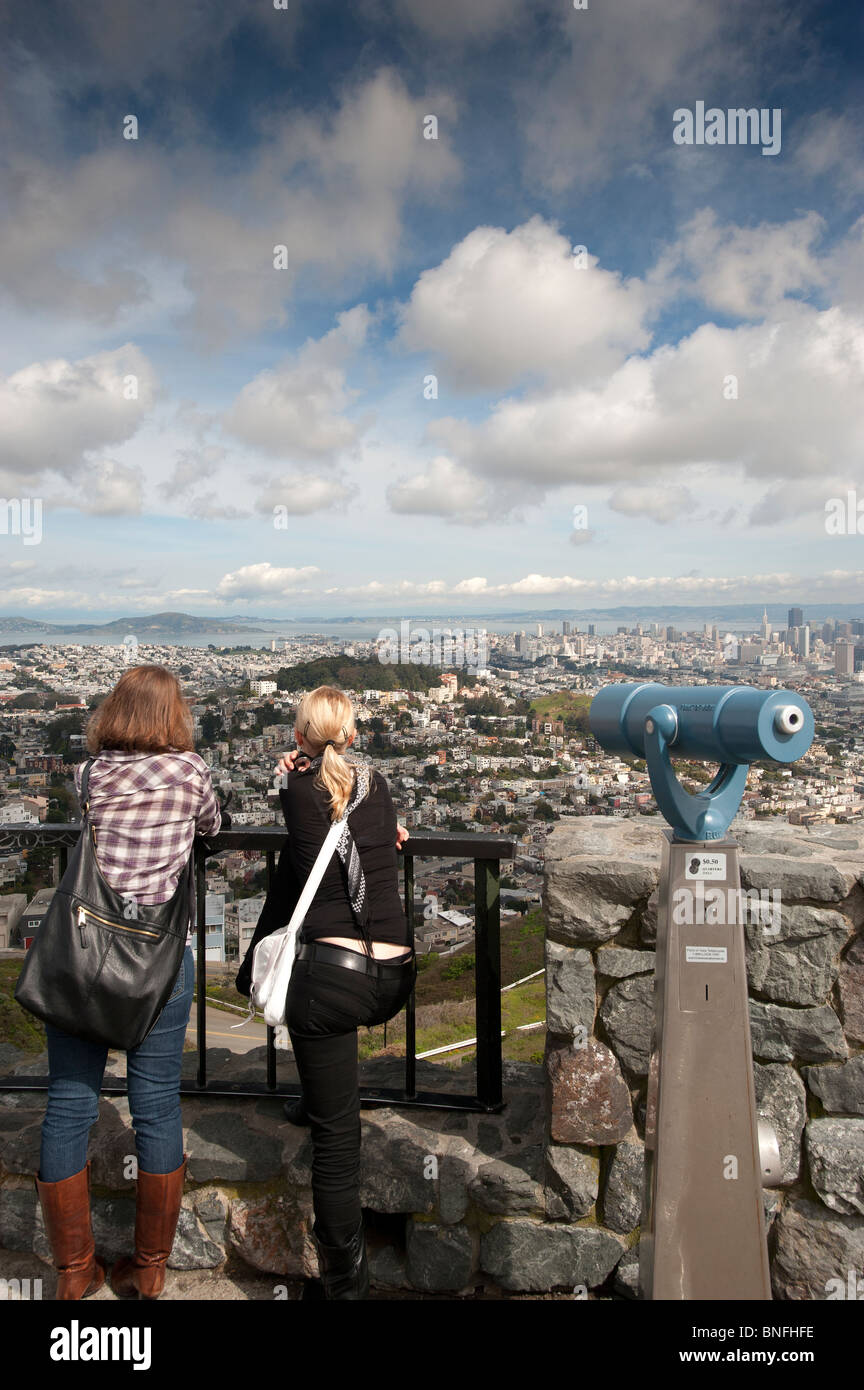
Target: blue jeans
[[76, 1068]]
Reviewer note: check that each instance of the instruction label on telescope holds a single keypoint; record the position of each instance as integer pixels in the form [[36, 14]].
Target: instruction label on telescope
[[705, 866], [705, 955]]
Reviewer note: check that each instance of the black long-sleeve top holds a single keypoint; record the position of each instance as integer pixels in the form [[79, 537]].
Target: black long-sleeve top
[[305, 807]]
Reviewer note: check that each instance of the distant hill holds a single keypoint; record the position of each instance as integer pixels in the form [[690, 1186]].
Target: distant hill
[[141, 624]]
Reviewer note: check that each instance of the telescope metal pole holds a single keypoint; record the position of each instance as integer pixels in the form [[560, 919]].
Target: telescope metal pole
[[703, 1232]]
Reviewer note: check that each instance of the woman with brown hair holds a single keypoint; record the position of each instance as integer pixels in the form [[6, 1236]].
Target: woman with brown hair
[[355, 966], [150, 794]]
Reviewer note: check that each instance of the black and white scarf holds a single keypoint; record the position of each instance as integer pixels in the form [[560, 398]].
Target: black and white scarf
[[345, 846]]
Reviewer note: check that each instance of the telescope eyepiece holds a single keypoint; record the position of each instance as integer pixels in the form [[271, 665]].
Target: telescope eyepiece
[[788, 719]]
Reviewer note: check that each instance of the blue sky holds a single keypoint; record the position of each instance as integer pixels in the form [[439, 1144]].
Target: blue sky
[[693, 379]]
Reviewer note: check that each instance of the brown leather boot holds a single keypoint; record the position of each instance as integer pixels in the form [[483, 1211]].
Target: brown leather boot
[[157, 1211], [66, 1209]]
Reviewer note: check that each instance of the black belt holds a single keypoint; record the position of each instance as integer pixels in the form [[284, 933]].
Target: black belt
[[354, 960]]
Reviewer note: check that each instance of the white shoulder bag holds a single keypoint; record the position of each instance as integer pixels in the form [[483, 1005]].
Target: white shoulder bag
[[274, 956]]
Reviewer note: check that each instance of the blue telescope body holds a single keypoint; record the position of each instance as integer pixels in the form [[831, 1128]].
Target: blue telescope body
[[732, 725]]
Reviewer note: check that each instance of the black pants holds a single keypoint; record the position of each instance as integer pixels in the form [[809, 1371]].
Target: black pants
[[327, 1002]]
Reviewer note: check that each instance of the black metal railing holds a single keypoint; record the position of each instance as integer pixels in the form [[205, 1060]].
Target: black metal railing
[[486, 851]]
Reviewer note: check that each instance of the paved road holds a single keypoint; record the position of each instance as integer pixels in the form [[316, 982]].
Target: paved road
[[219, 1033]]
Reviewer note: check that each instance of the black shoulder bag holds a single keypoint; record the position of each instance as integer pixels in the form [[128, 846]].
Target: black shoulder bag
[[103, 966]]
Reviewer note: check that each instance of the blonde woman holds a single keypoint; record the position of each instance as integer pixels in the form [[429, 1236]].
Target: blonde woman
[[355, 965]]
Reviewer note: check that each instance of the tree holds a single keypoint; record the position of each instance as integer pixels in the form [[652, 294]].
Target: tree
[[212, 725], [57, 733]]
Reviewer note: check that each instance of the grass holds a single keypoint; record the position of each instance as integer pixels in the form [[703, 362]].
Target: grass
[[448, 1022], [444, 997], [17, 1027]]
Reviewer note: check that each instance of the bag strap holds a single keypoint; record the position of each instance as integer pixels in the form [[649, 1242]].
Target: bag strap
[[83, 790], [310, 887]]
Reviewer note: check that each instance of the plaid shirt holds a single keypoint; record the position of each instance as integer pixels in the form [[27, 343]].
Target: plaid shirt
[[146, 809]]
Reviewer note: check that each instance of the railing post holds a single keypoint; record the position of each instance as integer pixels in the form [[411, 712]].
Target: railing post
[[201, 965], [271, 1032], [487, 918], [410, 1007]]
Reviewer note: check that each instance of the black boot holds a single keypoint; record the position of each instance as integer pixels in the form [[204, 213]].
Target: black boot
[[295, 1111], [344, 1270]]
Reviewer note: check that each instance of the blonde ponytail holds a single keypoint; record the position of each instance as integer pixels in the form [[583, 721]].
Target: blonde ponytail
[[325, 718]]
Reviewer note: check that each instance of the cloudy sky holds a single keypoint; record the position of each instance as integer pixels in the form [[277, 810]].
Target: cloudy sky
[[407, 306]]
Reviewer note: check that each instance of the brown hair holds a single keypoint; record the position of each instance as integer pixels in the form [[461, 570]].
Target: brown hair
[[145, 713]]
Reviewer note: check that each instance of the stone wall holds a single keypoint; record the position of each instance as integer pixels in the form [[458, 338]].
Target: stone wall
[[547, 1194], [807, 1022], [446, 1194]]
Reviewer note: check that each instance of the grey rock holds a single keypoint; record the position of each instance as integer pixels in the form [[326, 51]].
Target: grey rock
[[393, 1164], [622, 1197], [572, 1182], [222, 1148], [786, 1035], [20, 1220], [839, 1086], [772, 1205], [32, 1066], [534, 1255], [627, 1275], [577, 915], [523, 1119], [570, 990], [801, 963], [798, 922], [851, 990], [616, 963], [490, 1139], [835, 1154], [648, 922], [193, 1248], [20, 1139], [112, 1152], [814, 1247], [114, 1226], [517, 1075], [799, 880], [509, 1185], [454, 1176], [628, 1017], [387, 1267], [782, 1100], [211, 1208], [598, 872], [440, 1258], [10, 1057], [798, 842]]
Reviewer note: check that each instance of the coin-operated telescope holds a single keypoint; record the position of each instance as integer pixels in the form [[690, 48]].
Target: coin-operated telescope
[[706, 1158]]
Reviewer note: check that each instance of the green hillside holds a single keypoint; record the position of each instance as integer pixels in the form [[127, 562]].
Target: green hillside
[[567, 705]]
